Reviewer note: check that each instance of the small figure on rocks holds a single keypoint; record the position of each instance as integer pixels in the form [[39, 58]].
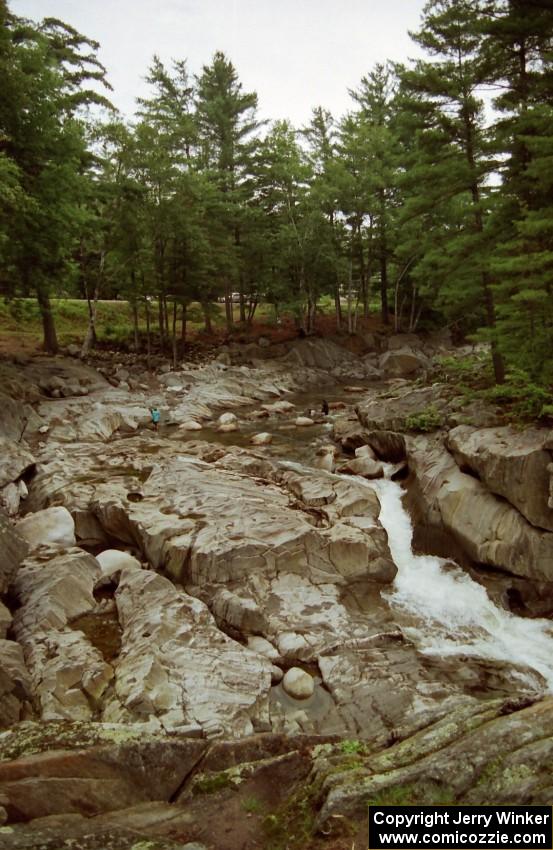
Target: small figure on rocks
[[156, 416], [324, 407]]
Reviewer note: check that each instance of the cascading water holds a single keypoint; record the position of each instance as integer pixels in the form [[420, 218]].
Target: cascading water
[[452, 614]]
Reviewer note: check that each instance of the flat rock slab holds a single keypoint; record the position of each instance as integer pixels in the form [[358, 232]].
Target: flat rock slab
[[125, 766]]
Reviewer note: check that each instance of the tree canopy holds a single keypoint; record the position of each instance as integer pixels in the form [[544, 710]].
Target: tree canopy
[[429, 203]]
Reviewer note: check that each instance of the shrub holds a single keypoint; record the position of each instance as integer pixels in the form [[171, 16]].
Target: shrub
[[428, 419]]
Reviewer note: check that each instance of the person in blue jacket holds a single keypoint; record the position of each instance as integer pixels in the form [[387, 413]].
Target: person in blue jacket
[[156, 416]]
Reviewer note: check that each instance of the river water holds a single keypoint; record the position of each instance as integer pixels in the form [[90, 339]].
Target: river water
[[450, 614]]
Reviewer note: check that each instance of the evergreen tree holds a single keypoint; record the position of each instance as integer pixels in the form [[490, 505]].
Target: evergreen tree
[[453, 151], [44, 140]]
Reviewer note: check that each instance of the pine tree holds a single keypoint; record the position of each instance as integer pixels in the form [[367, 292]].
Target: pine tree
[[454, 155], [519, 42]]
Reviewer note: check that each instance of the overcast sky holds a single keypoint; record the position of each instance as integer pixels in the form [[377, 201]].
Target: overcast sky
[[296, 54]]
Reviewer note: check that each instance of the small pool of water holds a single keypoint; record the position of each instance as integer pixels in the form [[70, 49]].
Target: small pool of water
[[289, 441]]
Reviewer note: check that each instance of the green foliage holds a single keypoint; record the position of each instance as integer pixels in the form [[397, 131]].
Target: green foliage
[[391, 206], [420, 794], [522, 398], [352, 746], [252, 805], [428, 419], [211, 784]]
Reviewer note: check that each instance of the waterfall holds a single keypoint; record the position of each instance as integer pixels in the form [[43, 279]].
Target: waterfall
[[452, 614]]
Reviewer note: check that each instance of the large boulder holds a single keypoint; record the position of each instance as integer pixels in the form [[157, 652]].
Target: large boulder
[[50, 527], [68, 674], [489, 529], [177, 666], [515, 464], [406, 410], [402, 362], [16, 418]]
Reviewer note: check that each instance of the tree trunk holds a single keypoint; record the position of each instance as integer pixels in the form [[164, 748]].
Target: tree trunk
[[161, 322], [135, 325], [228, 308], [350, 296], [50, 342], [338, 307], [242, 302], [183, 324], [383, 262], [91, 315], [90, 338], [497, 359], [174, 334], [148, 339], [362, 274], [207, 318], [252, 307]]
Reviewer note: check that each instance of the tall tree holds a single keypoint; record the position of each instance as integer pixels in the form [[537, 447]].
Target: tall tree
[[454, 151], [44, 138], [227, 123]]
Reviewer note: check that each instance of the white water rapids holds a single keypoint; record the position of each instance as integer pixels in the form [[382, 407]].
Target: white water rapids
[[448, 613], [453, 614]]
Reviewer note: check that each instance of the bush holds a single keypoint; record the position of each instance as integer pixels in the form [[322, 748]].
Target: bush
[[524, 399], [428, 419]]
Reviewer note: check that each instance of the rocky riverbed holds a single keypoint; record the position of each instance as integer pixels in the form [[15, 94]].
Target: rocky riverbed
[[209, 617]]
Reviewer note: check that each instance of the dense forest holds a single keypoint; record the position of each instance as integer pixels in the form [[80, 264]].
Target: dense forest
[[431, 201]]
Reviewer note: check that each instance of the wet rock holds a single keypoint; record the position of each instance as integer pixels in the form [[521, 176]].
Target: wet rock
[[303, 421], [326, 458], [52, 526], [227, 419], [347, 431], [190, 425], [278, 407], [388, 445], [365, 451], [511, 463], [227, 422], [364, 466], [262, 439], [298, 683]]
